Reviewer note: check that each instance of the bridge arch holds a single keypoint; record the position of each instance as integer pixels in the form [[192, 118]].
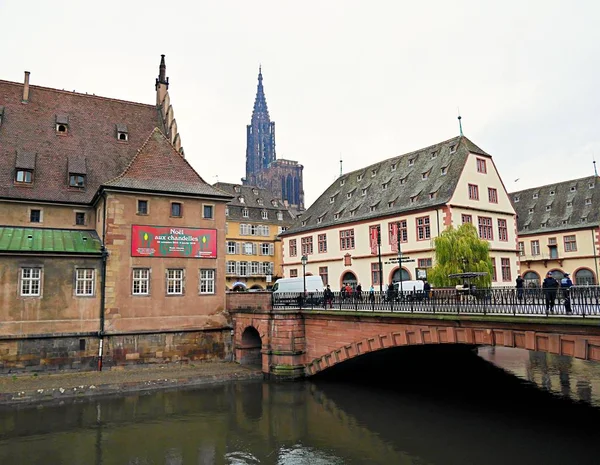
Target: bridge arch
[[250, 347], [396, 273]]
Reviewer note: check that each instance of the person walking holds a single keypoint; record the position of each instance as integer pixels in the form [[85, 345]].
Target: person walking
[[426, 289], [565, 286], [372, 294], [520, 282], [328, 294], [358, 291], [550, 287]]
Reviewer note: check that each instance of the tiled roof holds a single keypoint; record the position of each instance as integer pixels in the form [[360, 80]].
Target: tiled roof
[[400, 184], [256, 200], [49, 240], [157, 166], [28, 134], [561, 206]]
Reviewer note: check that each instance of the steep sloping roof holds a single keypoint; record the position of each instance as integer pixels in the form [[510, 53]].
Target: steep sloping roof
[[49, 240], [392, 186], [91, 139], [256, 200], [560, 206], [157, 166]]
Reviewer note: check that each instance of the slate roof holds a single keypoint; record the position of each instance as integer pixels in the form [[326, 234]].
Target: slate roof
[[157, 166], [256, 200], [387, 187], [49, 240], [560, 206], [28, 134]]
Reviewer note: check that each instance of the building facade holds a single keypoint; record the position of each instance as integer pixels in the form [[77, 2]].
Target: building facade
[[281, 177], [255, 219], [559, 230], [111, 245], [415, 196]]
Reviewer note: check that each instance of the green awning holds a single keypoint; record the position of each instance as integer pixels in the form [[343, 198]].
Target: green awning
[[49, 240]]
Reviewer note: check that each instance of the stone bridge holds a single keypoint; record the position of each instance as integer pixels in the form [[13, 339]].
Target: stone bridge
[[294, 342]]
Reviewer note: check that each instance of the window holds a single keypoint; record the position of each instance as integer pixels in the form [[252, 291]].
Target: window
[[531, 210], [443, 171], [494, 269], [590, 185], [243, 268], [485, 228], [280, 216], [332, 198], [452, 148], [342, 182], [359, 177], [176, 209], [245, 212], [502, 230], [570, 243], [542, 225], [390, 204], [552, 192], [492, 195], [324, 274], [573, 189], [141, 281], [535, 247], [403, 180], [122, 136], [552, 241], [535, 196], [411, 162], [425, 262], [393, 233], [207, 281], [267, 249], [174, 282], [232, 248], [433, 155], [373, 173], [226, 211], [364, 192], [260, 201], [142, 207], [241, 199], [267, 268], [349, 195], [265, 215], [548, 208], [249, 248], [347, 239], [588, 201], [280, 229], [237, 189], [293, 249], [230, 267], [79, 218], [467, 219], [481, 166], [322, 240], [423, 229], [521, 248], [516, 199], [294, 273], [505, 264], [207, 211], [375, 273], [425, 175], [24, 176], [35, 216], [372, 208], [31, 281], [473, 192], [84, 281], [393, 166], [77, 180]]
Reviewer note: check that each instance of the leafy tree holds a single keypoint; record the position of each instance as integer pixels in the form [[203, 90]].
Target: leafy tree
[[460, 251]]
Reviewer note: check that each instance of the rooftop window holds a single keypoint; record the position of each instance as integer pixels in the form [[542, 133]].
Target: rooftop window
[[76, 180], [62, 124], [573, 188], [536, 195], [433, 155], [552, 192], [122, 133], [516, 198], [342, 182], [24, 176], [411, 162], [452, 148], [588, 201], [393, 166], [444, 171], [373, 173]]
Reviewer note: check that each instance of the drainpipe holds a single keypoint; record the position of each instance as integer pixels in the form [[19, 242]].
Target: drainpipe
[[595, 253], [103, 288]]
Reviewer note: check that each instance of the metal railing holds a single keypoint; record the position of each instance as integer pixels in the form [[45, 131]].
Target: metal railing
[[583, 301]]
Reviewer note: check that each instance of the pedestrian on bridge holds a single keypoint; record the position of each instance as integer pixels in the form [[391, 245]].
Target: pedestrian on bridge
[[565, 286], [519, 284], [550, 286]]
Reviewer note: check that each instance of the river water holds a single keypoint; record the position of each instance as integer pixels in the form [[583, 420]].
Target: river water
[[411, 406]]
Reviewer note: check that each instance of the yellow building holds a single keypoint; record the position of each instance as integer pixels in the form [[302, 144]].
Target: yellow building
[[255, 219], [558, 229]]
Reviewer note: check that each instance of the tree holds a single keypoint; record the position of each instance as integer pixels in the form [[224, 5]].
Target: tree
[[460, 251]]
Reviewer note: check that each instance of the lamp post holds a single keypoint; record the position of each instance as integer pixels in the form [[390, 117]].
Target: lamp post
[[304, 261]]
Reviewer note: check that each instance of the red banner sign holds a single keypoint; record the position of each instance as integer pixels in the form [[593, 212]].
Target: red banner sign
[[394, 236], [152, 241], [373, 239]]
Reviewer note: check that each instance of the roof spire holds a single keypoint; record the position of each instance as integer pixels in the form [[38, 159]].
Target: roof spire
[[340, 164], [260, 103], [162, 72], [460, 122]]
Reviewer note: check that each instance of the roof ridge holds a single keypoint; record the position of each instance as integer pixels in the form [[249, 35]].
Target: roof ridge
[[79, 94], [554, 184]]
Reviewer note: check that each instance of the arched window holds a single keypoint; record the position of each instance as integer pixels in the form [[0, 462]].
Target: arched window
[[283, 192], [557, 274], [289, 189], [296, 191], [349, 278], [584, 277], [532, 279], [396, 275]]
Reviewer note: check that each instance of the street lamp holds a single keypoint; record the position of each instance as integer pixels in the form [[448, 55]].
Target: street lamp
[[304, 261]]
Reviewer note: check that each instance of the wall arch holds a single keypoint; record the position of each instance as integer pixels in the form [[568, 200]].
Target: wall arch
[[251, 347], [395, 275], [557, 273], [584, 277], [348, 277], [531, 278]]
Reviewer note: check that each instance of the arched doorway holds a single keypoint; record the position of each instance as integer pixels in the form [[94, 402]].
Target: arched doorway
[[256, 287], [532, 279], [400, 274], [584, 277], [251, 347], [349, 278]]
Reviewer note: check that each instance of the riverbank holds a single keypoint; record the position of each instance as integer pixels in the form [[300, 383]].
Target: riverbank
[[35, 388]]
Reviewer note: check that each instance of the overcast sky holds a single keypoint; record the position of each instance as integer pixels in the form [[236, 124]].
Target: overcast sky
[[365, 79]]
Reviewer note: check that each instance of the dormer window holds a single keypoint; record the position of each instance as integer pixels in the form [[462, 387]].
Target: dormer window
[[76, 180], [122, 133], [364, 192], [304, 223], [425, 175], [255, 191], [280, 216], [352, 212], [274, 203], [390, 204], [516, 198], [590, 185], [542, 225], [359, 177], [432, 195], [536, 195], [531, 210], [332, 198], [342, 182], [319, 220], [552, 192], [452, 148], [588, 201], [565, 222], [236, 188], [62, 124], [413, 199], [433, 155], [583, 219], [265, 215], [259, 201], [569, 204], [241, 199], [411, 162], [336, 216], [245, 212], [443, 171], [226, 211], [403, 180], [372, 208], [548, 208], [526, 227], [373, 173], [385, 185], [24, 176], [349, 195], [573, 189], [393, 166]]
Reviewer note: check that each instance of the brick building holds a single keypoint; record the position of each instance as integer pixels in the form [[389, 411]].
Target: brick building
[[111, 245], [282, 177], [559, 230], [416, 195], [255, 219]]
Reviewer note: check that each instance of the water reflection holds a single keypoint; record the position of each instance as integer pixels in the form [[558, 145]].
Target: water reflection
[[415, 407], [570, 377]]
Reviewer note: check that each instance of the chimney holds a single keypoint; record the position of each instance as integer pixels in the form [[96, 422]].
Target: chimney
[[26, 88]]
